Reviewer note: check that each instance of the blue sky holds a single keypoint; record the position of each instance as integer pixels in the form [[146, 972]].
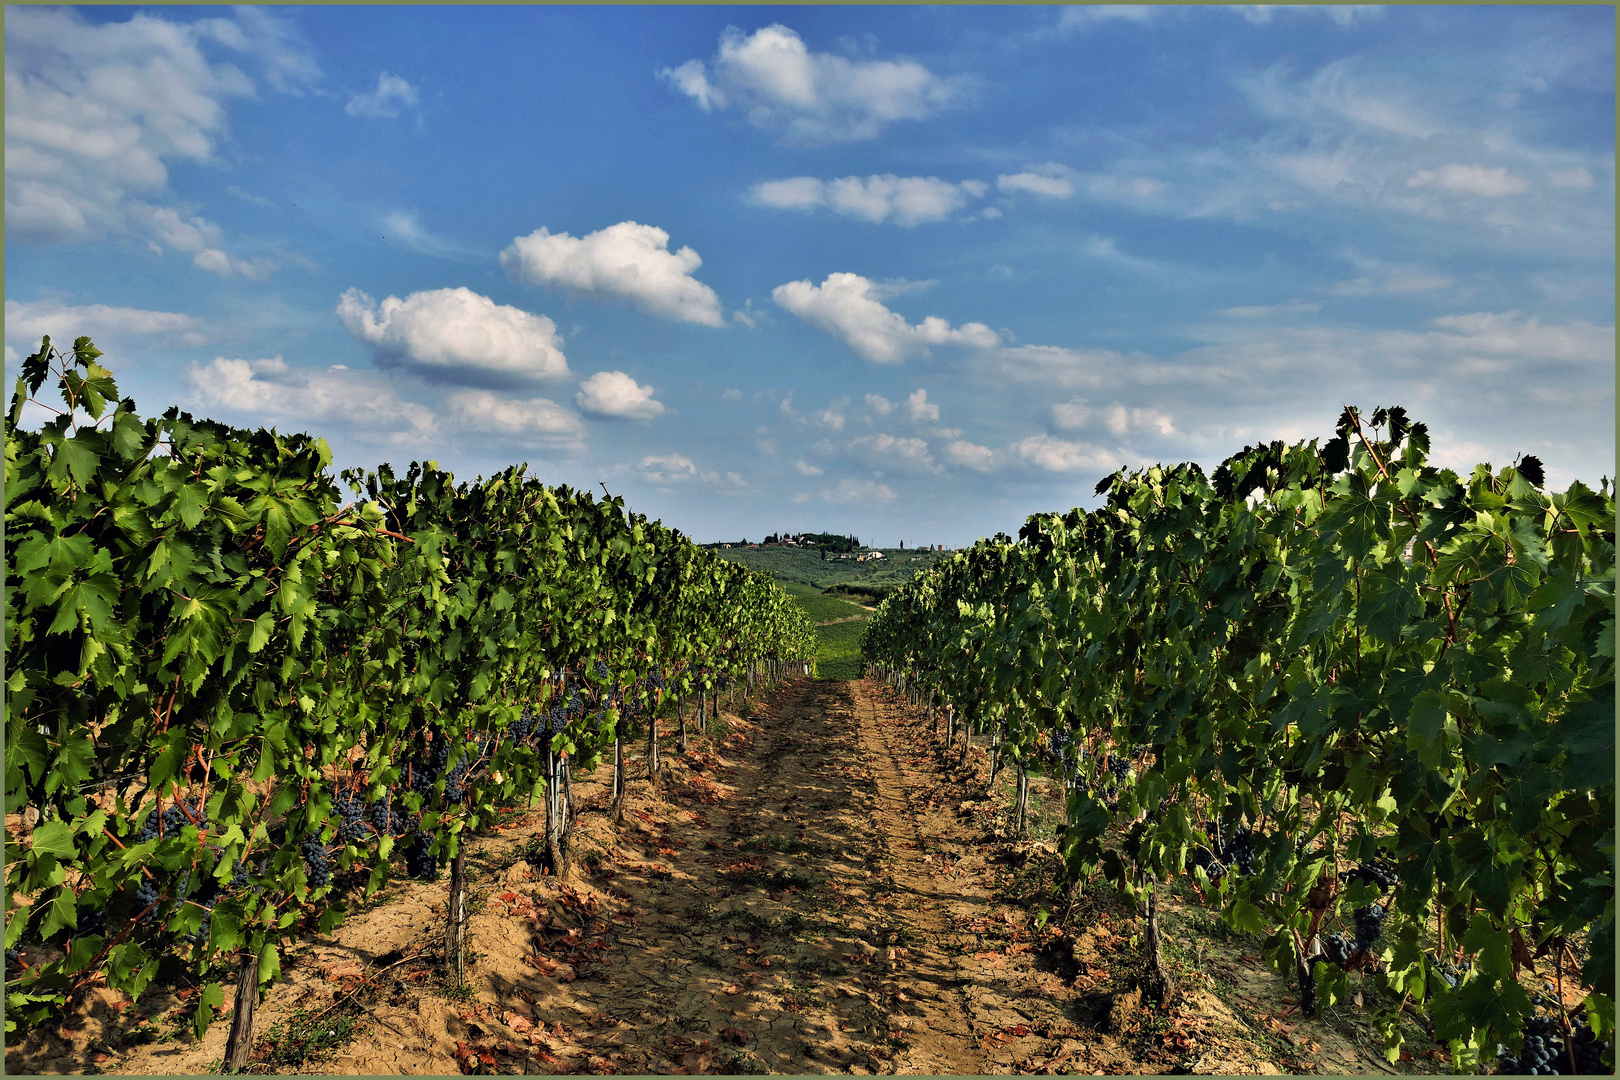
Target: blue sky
[[909, 272]]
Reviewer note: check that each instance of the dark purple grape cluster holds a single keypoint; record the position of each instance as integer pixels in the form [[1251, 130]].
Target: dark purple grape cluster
[[428, 766], [1239, 851], [92, 923], [385, 817], [239, 878], [1337, 948], [1369, 925], [522, 727], [1543, 1051], [1064, 753], [351, 812], [146, 898], [317, 865], [1376, 873], [1445, 971], [170, 821], [455, 780], [1211, 863], [1236, 853], [419, 860], [1589, 1052]]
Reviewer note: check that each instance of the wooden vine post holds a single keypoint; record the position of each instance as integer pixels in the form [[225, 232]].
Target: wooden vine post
[[239, 1044], [455, 930]]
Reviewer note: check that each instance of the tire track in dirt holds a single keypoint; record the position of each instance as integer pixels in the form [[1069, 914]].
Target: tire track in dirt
[[918, 862]]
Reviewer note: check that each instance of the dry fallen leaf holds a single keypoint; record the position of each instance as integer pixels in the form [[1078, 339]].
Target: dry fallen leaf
[[732, 988]]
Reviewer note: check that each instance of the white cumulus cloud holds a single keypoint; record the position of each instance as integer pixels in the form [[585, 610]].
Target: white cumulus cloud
[[919, 408], [1478, 180], [383, 102], [806, 469], [1060, 455], [905, 200], [456, 335], [879, 404], [833, 415], [626, 261], [971, 455], [270, 391], [774, 79], [537, 422], [615, 394], [848, 307], [889, 451]]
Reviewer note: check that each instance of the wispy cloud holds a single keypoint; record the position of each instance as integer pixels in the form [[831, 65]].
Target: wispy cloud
[[27, 323], [1342, 14], [1052, 180], [402, 228], [96, 115], [383, 103], [902, 200]]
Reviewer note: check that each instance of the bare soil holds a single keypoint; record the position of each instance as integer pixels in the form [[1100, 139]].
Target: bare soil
[[814, 887]]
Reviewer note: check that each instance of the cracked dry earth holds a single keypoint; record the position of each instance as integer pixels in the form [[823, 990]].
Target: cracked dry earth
[[799, 894]]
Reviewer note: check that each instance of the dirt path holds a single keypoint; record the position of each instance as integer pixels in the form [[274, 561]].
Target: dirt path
[[815, 888]]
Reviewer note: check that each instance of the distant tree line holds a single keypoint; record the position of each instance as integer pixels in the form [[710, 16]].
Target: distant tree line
[[826, 542], [832, 543]]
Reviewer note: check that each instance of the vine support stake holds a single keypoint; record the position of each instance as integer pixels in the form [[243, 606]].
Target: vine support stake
[[455, 931], [1159, 985], [240, 1042]]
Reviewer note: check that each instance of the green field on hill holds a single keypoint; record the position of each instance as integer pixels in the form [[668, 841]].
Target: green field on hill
[[823, 609], [805, 567], [803, 575], [839, 653]]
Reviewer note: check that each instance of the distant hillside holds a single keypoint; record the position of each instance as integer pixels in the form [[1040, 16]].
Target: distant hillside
[[806, 567]]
